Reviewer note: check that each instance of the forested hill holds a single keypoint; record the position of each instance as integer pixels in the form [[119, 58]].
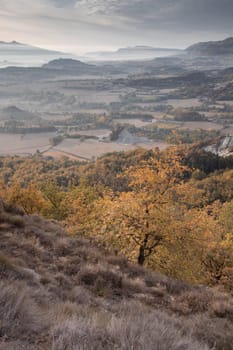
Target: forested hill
[[151, 214]]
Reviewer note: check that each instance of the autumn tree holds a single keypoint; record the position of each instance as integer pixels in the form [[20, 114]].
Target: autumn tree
[[55, 196], [29, 198], [218, 259], [83, 211], [137, 220]]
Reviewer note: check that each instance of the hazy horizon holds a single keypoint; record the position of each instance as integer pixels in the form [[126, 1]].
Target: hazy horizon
[[79, 26], [82, 50]]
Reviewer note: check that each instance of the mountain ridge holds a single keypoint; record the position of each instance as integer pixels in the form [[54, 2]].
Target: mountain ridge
[[208, 48], [13, 42], [134, 52], [23, 55], [19, 45]]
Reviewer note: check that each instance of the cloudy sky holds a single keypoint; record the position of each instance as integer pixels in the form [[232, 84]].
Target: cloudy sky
[[88, 25]]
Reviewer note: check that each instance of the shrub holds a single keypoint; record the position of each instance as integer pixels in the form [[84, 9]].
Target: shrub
[[7, 268], [102, 281], [172, 286], [15, 220], [223, 309], [193, 301]]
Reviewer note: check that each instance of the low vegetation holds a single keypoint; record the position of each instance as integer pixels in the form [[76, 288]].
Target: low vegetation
[[61, 292]]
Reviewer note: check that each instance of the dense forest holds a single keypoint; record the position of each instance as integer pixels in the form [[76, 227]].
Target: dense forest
[[168, 210]]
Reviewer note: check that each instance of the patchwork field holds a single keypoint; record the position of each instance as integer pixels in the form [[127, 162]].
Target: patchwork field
[[94, 105], [90, 149], [11, 144], [200, 125], [184, 103], [136, 122]]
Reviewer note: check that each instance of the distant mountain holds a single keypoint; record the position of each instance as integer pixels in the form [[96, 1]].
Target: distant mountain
[[142, 49], [18, 54], [10, 43], [133, 53], [20, 48], [223, 47]]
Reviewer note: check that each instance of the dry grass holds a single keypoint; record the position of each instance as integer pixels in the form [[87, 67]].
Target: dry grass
[[216, 332], [132, 330], [19, 313], [193, 301], [62, 293]]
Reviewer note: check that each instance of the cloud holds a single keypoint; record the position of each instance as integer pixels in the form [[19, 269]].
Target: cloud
[[154, 13], [163, 13], [64, 3], [116, 22]]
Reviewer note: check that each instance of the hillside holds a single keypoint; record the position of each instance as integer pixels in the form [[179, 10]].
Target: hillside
[[222, 47], [59, 292]]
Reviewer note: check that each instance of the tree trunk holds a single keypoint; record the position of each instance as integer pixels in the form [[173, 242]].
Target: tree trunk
[[141, 256]]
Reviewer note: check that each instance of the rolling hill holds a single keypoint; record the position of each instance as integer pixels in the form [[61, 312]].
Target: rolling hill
[[70, 65]]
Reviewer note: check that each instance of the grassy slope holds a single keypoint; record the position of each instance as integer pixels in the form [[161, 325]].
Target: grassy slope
[[59, 293]]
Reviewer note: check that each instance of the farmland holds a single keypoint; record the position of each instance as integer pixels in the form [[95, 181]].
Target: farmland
[[75, 114]]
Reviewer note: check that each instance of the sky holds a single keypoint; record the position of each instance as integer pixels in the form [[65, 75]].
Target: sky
[[79, 26]]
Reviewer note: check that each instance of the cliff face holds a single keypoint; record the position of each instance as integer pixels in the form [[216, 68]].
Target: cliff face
[[59, 292], [222, 148]]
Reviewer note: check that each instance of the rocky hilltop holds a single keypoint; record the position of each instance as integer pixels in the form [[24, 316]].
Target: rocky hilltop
[[223, 148]]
